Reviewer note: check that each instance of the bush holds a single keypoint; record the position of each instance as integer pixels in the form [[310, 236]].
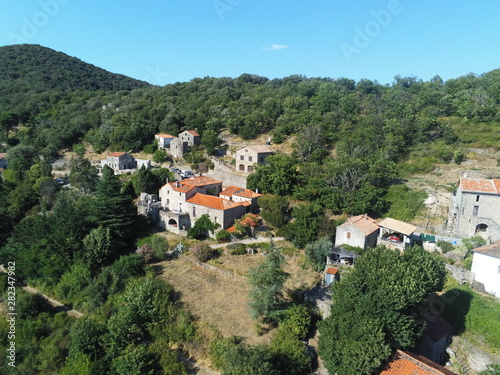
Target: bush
[[203, 252], [159, 246], [29, 306], [445, 246], [458, 157], [239, 249], [148, 149], [146, 252], [223, 236]]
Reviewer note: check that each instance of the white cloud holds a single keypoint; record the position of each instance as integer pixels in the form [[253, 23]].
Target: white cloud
[[275, 47]]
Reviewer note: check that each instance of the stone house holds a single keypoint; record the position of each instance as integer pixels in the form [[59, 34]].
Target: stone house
[[358, 231], [121, 162], [476, 208], [3, 161], [404, 363], [221, 211], [190, 138], [163, 140], [178, 146], [396, 234], [486, 267], [183, 202], [240, 195], [247, 156]]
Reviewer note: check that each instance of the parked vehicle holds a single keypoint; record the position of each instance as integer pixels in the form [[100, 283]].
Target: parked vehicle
[[186, 174]]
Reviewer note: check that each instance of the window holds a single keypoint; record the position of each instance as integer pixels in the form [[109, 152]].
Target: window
[[194, 211], [475, 210], [348, 234], [216, 219], [477, 198], [242, 167], [262, 159], [250, 169], [249, 158], [242, 157]]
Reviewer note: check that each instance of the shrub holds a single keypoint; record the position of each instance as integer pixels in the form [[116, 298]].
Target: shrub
[[239, 249], [458, 157], [146, 252], [223, 236], [160, 247], [445, 246], [203, 252], [148, 149]]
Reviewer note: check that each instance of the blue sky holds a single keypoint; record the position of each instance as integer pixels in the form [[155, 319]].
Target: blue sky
[[165, 41]]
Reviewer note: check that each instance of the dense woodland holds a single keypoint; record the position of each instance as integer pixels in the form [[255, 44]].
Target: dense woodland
[[352, 144]]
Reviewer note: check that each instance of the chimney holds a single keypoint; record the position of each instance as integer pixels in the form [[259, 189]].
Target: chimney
[[177, 184]]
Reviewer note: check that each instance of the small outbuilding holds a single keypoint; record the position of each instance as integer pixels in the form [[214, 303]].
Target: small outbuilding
[[331, 275]]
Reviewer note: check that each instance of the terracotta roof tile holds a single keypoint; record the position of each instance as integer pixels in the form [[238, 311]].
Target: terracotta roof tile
[[200, 181], [234, 190], [164, 135], [210, 201], [116, 154], [480, 185], [192, 132], [364, 223], [332, 270], [413, 364], [492, 250], [398, 226]]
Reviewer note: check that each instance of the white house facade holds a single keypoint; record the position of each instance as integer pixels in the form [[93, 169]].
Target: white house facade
[[486, 267]]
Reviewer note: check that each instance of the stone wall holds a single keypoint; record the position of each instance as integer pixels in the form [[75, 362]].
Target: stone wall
[[227, 175], [460, 274]]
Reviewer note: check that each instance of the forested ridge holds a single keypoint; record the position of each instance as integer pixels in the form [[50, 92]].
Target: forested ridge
[[350, 142]]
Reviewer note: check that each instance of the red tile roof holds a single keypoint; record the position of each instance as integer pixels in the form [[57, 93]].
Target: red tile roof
[[210, 201], [116, 154], [192, 132], [164, 135], [200, 181], [364, 223], [492, 250], [229, 191], [480, 185], [3, 155], [413, 364], [332, 270]]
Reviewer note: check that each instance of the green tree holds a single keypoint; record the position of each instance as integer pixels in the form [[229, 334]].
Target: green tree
[[144, 181], [201, 228], [86, 338], [274, 209], [317, 251], [306, 224], [210, 140], [97, 246], [8, 120], [375, 308], [266, 283], [159, 156], [113, 210], [82, 174], [277, 176]]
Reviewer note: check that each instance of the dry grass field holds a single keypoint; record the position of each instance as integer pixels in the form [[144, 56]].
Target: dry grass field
[[222, 302]]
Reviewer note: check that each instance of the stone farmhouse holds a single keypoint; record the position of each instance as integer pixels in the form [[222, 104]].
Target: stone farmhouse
[[247, 156], [364, 232], [359, 231], [121, 162], [486, 267], [476, 208], [177, 146], [181, 203]]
